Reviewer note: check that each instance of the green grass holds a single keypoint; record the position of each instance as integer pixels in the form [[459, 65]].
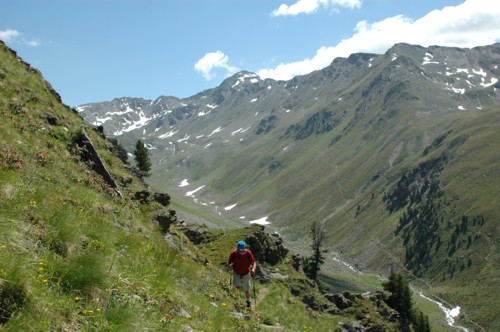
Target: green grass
[[76, 257]]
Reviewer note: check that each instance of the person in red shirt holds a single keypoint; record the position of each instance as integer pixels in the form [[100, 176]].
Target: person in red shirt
[[243, 263]]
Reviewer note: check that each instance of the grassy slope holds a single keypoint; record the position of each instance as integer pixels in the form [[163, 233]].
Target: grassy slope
[[76, 257], [472, 181], [354, 178], [471, 186], [360, 226]]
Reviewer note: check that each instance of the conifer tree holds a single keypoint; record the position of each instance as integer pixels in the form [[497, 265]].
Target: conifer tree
[[420, 322], [313, 264], [142, 157], [400, 298]]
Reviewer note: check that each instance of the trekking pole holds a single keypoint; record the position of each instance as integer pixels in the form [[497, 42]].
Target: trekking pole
[[254, 296]]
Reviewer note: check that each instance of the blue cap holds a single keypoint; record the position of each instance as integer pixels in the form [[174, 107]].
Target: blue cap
[[241, 245]]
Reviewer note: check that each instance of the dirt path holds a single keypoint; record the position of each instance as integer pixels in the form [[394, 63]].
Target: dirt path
[[261, 294]]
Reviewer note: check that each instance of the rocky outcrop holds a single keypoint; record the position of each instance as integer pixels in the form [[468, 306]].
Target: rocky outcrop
[[89, 154], [307, 292], [147, 196], [370, 309], [196, 233], [267, 248], [164, 219], [374, 321]]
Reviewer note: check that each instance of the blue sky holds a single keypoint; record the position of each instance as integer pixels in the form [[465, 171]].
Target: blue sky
[[97, 50]]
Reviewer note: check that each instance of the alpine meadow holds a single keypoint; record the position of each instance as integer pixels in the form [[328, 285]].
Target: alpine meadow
[[395, 155]]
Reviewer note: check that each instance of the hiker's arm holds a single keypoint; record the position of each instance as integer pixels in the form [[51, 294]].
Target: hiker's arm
[[254, 266]]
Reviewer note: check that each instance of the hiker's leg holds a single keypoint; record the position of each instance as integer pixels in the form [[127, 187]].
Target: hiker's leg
[[249, 303], [237, 282], [245, 284]]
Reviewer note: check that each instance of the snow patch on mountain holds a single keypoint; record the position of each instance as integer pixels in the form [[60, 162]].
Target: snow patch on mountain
[[247, 77], [230, 207], [241, 130], [261, 221], [480, 72], [80, 109], [168, 134], [101, 121], [493, 81], [143, 120], [185, 138], [184, 183], [191, 193], [428, 59], [218, 130]]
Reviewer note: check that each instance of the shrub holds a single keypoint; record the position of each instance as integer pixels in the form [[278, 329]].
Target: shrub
[[10, 158], [82, 273], [12, 298]]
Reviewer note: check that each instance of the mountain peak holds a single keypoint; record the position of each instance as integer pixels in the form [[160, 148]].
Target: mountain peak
[[241, 78]]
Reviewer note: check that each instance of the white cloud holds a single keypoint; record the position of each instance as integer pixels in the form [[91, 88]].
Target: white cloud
[[212, 61], [472, 23], [11, 35], [310, 6], [32, 42]]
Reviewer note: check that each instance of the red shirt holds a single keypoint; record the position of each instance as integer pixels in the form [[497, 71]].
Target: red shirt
[[241, 261]]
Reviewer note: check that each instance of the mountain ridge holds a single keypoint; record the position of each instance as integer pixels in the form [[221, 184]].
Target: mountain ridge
[[330, 145], [85, 244]]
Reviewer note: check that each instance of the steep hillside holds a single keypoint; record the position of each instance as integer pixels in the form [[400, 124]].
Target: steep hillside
[[374, 146], [86, 245]]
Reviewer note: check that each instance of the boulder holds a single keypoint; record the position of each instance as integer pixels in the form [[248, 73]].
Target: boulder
[[196, 234], [164, 219], [296, 261], [266, 248], [143, 196], [147, 196], [163, 199], [339, 300]]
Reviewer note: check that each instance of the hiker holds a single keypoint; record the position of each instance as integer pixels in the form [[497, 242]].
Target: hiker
[[243, 263]]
